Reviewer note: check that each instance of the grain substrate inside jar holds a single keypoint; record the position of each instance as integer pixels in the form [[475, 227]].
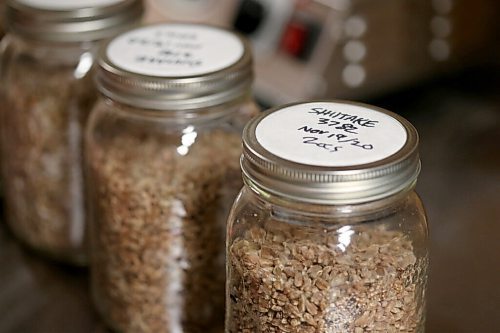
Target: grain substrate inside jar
[[286, 281], [43, 156], [159, 228]]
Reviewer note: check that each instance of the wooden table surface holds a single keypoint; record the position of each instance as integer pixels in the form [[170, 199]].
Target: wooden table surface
[[458, 119]]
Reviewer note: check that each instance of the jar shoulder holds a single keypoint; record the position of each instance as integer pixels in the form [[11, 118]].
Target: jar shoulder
[[405, 211], [19, 50], [132, 139], [108, 115]]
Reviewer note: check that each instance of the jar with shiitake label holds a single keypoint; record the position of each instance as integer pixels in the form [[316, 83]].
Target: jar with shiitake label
[[328, 234], [162, 153], [47, 92]]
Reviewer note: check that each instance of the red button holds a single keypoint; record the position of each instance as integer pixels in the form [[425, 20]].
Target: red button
[[294, 38]]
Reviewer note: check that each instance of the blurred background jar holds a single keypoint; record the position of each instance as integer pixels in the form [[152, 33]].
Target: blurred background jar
[[328, 234], [162, 151], [47, 60]]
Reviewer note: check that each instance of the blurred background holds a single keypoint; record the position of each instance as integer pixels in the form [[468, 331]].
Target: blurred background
[[436, 62]]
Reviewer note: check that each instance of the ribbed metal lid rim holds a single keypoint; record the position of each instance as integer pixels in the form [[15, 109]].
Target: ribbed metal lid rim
[[330, 185], [175, 93], [71, 25]]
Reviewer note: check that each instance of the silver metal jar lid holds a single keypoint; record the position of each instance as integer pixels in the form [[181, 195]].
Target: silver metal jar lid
[[71, 20], [330, 152], [175, 67]]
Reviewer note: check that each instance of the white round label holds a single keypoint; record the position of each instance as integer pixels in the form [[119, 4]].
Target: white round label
[[68, 4], [330, 134], [175, 50]]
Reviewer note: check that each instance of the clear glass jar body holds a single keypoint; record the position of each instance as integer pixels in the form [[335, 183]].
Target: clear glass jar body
[[161, 187], [48, 93], [294, 267]]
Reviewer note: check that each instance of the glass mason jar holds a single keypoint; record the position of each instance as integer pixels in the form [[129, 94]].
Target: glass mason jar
[[162, 151], [47, 59], [328, 234]]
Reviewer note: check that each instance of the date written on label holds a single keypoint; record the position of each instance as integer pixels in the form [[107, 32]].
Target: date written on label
[[312, 140], [338, 138]]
